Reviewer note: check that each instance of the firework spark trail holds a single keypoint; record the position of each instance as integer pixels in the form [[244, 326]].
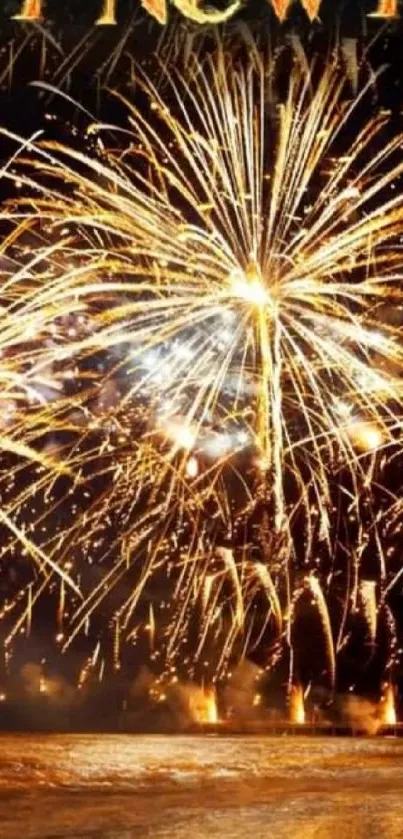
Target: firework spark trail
[[26, 466], [237, 269]]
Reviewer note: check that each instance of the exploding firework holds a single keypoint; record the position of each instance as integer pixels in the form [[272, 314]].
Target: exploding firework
[[216, 286]]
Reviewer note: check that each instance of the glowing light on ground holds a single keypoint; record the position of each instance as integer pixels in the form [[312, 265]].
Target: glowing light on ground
[[296, 705], [203, 705], [388, 706]]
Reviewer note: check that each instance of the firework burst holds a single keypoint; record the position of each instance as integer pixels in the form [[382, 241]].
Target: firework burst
[[234, 269]]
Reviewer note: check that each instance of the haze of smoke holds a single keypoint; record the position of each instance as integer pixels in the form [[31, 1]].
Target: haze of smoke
[[56, 689], [360, 714], [241, 696]]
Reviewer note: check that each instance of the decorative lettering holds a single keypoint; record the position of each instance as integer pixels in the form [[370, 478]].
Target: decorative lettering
[[33, 10], [281, 7]]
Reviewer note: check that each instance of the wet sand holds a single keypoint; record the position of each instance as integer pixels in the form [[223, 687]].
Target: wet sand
[[160, 787]]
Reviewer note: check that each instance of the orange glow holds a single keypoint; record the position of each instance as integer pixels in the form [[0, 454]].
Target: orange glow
[[296, 705], [203, 706], [386, 8], [31, 10], [388, 706], [365, 436]]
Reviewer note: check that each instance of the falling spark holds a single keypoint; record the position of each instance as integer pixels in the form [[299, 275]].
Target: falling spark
[[369, 606], [62, 603]]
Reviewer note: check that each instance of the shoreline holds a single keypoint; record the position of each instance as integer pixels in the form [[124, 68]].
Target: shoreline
[[223, 729]]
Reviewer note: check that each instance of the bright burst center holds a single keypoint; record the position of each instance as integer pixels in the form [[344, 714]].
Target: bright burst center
[[250, 287]]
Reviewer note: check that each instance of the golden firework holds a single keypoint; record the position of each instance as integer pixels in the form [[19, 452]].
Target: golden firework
[[235, 268]]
